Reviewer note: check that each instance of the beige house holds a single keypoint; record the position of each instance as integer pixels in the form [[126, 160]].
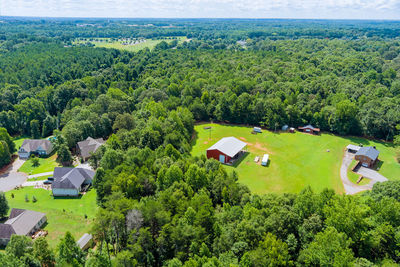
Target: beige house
[[21, 222]]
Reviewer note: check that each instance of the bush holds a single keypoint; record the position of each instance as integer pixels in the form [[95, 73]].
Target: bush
[[34, 199], [12, 195], [398, 156], [26, 198]]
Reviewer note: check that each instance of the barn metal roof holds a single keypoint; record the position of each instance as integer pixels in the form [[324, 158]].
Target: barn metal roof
[[230, 146], [369, 152], [353, 147]]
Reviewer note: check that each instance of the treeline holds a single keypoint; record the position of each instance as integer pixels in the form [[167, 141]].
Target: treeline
[[345, 87], [7, 147], [67, 30]]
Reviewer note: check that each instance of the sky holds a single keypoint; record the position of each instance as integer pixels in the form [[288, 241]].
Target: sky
[[313, 9]]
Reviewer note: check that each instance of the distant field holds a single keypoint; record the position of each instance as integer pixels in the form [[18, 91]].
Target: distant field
[[108, 43], [296, 160], [46, 165], [62, 214]]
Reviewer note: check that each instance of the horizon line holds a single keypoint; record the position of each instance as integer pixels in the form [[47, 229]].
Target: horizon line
[[199, 18]]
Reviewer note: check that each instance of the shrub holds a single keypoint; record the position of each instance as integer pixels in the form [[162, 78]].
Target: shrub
[[398, 156], [34, 199], [12, 195], [35, 162], [26, 198]]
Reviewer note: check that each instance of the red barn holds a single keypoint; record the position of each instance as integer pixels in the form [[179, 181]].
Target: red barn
[[226, 149]]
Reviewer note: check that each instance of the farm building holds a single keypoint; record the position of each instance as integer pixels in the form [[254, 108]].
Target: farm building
[[352, 148], [264, 161], [309, 129], [226, 150], [88, 146], [85, 241], [367, 156], [257, 130], [21, 222], [40, 147], [285, 127], [70, 181]]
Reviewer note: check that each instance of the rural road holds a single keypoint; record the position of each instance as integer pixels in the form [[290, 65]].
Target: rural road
[[12, 178], [351, 188]]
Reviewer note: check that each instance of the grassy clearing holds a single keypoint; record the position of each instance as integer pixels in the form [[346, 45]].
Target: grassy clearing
[[296, 160], [353, 177], [19, 140], [108, 43], [45, 165], [58, 220]]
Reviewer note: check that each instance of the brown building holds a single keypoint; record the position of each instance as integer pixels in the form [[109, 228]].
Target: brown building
[[309, 129], [367, 156], [226, 149]]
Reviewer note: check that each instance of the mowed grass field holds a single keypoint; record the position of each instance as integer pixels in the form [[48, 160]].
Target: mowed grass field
[[149, 43], [296, 159], [45, 165], [62, 214]]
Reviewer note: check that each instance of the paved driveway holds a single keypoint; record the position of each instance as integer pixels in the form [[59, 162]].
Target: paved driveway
[[12, 178], [349, 187], [371, 174]]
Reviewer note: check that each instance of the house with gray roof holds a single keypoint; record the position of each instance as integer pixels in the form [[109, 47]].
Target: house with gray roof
[[88, 146], [21, 222], [70, 181], [367, 156], [226, 149], [40, 147]]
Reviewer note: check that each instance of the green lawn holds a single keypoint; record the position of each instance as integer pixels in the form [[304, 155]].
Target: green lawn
[[41, 178], [353, 177], [62, 214], [296, 160], [46, 165], [18, 141], [108, 43]]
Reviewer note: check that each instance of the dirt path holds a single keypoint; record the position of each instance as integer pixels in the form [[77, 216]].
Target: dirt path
[[349, 187]]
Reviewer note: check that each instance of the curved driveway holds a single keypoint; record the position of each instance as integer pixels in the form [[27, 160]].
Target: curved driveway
[[349, 187], [12, 178], [352, 188]]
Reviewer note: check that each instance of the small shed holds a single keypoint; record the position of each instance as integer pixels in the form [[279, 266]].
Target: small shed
[[257, 130], [264, 161], [292, 130], [285, 128], [85, 241]]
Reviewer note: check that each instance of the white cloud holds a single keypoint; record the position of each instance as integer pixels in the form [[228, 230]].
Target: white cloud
[[352, 9]]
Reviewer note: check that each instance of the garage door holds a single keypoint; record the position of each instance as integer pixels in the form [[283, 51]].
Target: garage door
[[365, 164], [222, 158]]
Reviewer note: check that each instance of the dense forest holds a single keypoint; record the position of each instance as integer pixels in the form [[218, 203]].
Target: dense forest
[[159, 206]]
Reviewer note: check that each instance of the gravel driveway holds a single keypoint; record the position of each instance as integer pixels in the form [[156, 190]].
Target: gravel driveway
[[12, 178], [371, 174], [349, 187]]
